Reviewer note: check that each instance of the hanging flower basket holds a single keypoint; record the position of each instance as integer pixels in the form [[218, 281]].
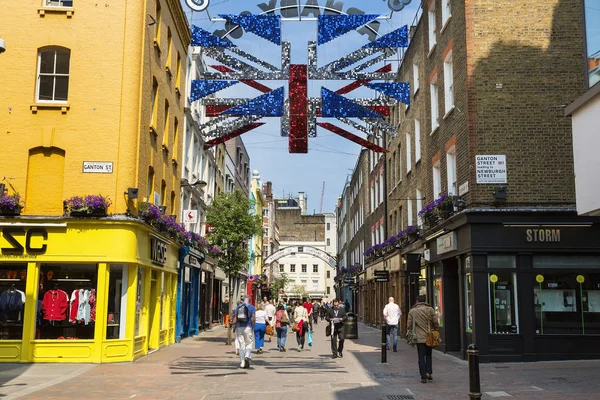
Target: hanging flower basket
[[10, 205], [87, 207]]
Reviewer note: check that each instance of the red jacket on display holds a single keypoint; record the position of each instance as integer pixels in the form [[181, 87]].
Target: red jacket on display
[[55, 304]]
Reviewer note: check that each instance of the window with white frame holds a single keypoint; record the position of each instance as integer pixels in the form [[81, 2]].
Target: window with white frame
[[53, 75], [292, 267], [432, 37], [437, 180], [446, 11], [434, 105], [381, 237], [399, 163], [409, 211], [373, 238], [393, 168], [451, 170], [281, 267], [408, 155], [315, 268], [419, 200], [372, 198], [417, 140], [381, 194], [415, 77], [58, 3], [448, 84]]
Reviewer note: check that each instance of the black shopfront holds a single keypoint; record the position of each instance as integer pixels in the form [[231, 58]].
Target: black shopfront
[[521, 286]]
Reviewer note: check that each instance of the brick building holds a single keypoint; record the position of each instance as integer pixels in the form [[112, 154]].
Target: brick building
[[504, 259]]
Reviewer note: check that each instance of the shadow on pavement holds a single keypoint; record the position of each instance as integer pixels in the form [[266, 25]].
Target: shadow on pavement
[[8, 372]]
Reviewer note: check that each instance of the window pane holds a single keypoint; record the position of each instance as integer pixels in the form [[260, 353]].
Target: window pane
[[47, 61], [46, 87], [468, 303], [437, 299], [62, 61], [592, 16], [139, 304], [62, 88], [12, 300], [68, 301], [501, 261], [566, 262], [502, 293], [117, 303]]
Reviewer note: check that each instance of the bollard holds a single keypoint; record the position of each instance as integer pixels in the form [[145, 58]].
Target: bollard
[[383, 344], [474, 381]]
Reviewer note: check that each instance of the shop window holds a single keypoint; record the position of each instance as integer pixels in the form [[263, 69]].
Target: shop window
[[438, 300], [503, 300], [501, 261], [567, 303], [468, 302], [67, 301], [423, 282], [117, 303], [13, 278], [139, 302]]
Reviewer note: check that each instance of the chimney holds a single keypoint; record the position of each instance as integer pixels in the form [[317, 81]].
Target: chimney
[[302, 203], [268, 190]]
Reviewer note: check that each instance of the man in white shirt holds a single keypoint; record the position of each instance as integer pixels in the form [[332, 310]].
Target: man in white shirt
[[392, 313]]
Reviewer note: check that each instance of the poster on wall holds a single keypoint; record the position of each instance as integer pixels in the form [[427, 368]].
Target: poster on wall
[[490, 169]]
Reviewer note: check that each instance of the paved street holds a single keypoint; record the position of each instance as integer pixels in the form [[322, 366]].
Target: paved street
[[205, 368]]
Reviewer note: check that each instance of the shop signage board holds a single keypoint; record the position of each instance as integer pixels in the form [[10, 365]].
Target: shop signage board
[[382, 276], [490, 169], [446, 243], [20, 240], [158, 251], [97, 167]]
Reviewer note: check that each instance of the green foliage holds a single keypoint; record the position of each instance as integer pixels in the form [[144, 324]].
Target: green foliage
[[299, 291], [232, 225], [279, 284]]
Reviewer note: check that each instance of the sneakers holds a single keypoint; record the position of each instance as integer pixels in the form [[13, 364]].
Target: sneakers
[[247, 362], [334, 356], [243, 364], [341, 355], [259, 351]]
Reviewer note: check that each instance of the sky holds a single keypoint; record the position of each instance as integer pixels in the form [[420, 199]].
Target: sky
[[331, 158]]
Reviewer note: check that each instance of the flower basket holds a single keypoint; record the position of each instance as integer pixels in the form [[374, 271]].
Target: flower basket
[[90, 206], [10, 205]]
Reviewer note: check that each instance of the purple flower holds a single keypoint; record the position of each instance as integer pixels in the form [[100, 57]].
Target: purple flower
[[88, 204], [10, 203], [149, 212]]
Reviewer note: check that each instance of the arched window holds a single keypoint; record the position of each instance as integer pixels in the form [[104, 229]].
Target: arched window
[[53, 74]]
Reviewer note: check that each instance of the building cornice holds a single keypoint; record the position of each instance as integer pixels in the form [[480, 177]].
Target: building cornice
[[181, 23]]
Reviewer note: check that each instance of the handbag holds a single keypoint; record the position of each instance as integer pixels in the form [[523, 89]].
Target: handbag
[[295, 327], [328, 330], [284, 320], [433, 337], [411, 335], [269, 330]]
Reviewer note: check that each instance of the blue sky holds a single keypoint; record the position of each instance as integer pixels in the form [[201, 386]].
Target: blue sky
[[330, 158]]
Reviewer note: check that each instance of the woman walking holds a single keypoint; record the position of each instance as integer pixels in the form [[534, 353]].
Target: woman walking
[[424, 319], [281, 326], [301, 318], [260, 326]]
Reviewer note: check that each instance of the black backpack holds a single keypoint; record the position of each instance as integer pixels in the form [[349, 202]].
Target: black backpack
[[242, 314]]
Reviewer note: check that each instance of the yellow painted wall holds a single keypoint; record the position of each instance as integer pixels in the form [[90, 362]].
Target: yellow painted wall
[[112, 62], [257, 240]]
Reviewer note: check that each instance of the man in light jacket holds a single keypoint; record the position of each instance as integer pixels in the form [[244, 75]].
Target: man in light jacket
[[392, 313], [425, 320]]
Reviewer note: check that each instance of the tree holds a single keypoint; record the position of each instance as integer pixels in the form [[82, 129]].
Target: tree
[[279, 284], [300, 292], [232, 226]]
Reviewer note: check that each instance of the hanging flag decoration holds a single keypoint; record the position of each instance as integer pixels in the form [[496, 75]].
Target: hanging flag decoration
[[203, 38], [266, 26], [397, 38], [202, 88], [397, 90], [334, 106], [333, 26], [267, 105]]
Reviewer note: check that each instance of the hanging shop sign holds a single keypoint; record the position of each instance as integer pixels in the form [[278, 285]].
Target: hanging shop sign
[[21, 241], [190, 216], [97, 167], [158, 251], [381, 276], [446, 243], [490, 169]]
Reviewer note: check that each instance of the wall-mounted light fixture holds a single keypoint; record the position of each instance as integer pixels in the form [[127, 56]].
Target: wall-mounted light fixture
[[500, 193], [163, 209], [2, 187], [198, 182], [132, 193]]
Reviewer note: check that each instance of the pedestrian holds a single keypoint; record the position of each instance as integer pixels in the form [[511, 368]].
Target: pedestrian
[[270, 310], [265, 302], [301, 320], [308, 305], [347, 305], [391, 313], [237, 343], [281, 325], [244, 317], [424, 319], [260, 327], [225, 312], [315, 311], [290, 310], [336, 316]]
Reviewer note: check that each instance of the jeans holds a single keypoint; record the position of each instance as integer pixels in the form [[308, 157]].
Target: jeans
[[259, 335], [316, 318], [425, 366], [336, 347], [281, 336], [244, 338], [302, 338], [391, 333]]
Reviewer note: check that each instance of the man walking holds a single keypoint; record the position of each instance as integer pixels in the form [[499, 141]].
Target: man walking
[[315, 311], [225, 312], [392, 313], [244, 325], [425, 320], [336, 316]]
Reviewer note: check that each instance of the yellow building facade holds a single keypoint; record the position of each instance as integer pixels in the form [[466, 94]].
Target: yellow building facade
[[92, 103], [256, 196]]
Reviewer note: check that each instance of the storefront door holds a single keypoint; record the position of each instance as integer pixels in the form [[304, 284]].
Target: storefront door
[[452, 322], [154, 304]]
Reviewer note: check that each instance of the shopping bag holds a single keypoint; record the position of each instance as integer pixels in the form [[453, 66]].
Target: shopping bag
[[328, 330], [309, 338]]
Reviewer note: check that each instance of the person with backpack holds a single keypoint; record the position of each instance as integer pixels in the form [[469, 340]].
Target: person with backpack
[[422, 319], [243, 318], [281, 326]]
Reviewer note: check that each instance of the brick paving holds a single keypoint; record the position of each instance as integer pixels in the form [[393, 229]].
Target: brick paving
[[206, 368]]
